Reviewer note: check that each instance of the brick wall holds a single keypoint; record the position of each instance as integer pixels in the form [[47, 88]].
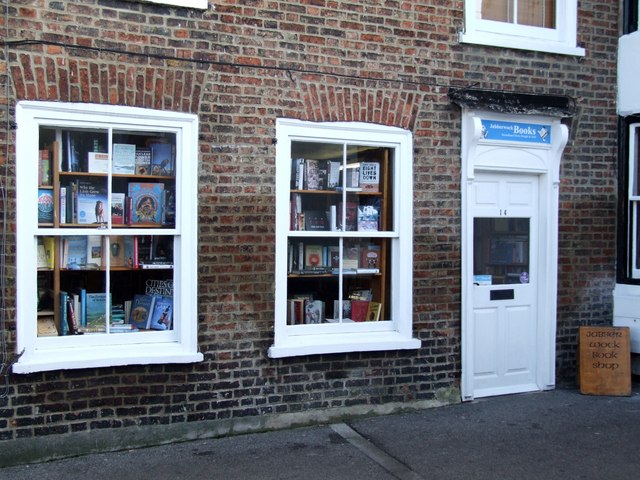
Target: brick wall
[[241, 65]]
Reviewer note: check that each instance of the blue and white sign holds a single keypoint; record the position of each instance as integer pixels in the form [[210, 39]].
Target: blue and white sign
[[516, 132]]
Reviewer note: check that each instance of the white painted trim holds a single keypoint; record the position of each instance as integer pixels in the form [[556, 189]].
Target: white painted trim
[[175, 346], [480, 155], [561, 40], [367, 336]]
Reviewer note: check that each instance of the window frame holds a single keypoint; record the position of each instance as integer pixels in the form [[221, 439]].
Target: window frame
[[560, 40], [366, 336], [632, 158], [178, 345]]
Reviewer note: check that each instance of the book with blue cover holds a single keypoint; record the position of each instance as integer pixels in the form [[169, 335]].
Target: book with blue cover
[[162, 314], [146, 199], [141, 309], [162, 159], [74, 255]]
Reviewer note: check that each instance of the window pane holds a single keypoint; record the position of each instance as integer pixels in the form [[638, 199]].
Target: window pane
[[537, 13], [497, 10], [501, 250]]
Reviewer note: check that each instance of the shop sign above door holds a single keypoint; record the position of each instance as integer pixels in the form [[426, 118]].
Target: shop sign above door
[[516, 132]]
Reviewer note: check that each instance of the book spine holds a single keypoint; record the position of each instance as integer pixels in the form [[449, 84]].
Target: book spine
[[71, 317], [136, 262], [63, 205], [63, 314]]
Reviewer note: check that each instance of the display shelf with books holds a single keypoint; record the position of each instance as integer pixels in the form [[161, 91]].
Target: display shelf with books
[[340, 217], [122, 191], [344, 237], [84, 251]]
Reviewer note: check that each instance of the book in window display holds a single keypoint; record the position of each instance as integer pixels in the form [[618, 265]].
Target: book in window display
[[369, 179], [95, 251], [346, 309], [146, 201], [373, 311], [351, 215], [45, 205], [141, 310], [71, 152], [315, 220], [313, 257], [96, 313], [143, 161], [91, 200], [123, 158], [44, 168], [169, 205], [368, 216], [351, 258], [314, 312], [117, 208], [74, 252], [162, 159], [369, 259], [98, 162], [314, 175], [162, 315], [47, 327]]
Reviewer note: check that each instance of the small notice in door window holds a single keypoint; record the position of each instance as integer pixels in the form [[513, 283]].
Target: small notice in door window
[[482, 279]]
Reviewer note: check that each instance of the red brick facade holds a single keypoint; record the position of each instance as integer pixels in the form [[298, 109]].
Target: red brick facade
[[241, 65]]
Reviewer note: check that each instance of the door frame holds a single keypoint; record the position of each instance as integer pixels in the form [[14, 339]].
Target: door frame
[[487, 146]]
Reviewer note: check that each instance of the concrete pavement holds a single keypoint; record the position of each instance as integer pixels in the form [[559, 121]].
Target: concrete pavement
[[559, 434]]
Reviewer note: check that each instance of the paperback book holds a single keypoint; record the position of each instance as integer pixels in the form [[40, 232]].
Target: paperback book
[[45, 205], [95, 257], [141, 309], [98, 162], [146, 203], [314, 312], [91, 200], [162, 314], [369, 216], [143, 161], [96, 313], [123, 158], [369, 176], [74, 252], [117, 208], [162, 159]]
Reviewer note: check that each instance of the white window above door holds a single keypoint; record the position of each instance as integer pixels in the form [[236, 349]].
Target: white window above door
[[540, 25]]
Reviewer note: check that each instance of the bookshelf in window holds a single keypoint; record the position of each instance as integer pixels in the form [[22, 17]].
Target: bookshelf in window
[[106, 220], [338, 250]]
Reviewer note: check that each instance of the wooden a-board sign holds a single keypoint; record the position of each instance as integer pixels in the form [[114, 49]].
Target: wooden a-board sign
[[605, 361]]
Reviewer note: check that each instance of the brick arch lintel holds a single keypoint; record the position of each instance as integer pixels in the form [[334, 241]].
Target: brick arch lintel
[[55, 76], [384, 106]]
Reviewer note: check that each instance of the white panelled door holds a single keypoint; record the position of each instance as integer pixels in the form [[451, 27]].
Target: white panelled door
[[504, 320]]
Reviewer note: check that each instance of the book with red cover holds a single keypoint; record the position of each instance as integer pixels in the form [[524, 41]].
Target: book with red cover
[[359, 309]]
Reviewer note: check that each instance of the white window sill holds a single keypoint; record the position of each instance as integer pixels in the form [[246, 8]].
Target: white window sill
[[294, 346], [494, 40], [106, 356]]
